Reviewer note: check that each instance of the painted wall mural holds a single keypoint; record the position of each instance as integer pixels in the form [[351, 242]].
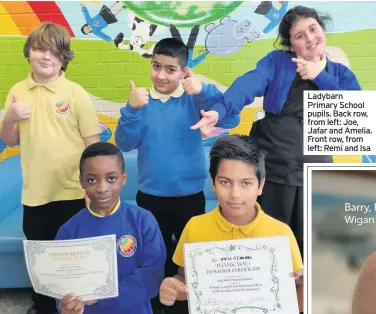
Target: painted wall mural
[[113, 42]]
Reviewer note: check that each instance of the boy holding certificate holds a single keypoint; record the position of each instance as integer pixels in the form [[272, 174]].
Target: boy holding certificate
[[141, 251], [237, 169]]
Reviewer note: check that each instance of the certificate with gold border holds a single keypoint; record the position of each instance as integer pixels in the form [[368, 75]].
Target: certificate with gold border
[[241, 276], [87, 267]]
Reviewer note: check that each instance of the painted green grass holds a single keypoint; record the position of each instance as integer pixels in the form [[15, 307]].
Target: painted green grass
[[104, 70]]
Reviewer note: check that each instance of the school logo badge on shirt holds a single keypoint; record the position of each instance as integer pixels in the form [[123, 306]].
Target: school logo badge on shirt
[[62, 107], [127, 245]]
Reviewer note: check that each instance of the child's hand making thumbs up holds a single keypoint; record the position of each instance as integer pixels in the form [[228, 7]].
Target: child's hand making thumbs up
[[191, 83], [139, 97], [18, 111]]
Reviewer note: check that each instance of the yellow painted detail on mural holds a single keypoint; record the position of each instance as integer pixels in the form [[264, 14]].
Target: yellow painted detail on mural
[[12, 151], [22, 15], [114, 120], [7, 25], [104, 119], [112, 127], [242, 129], [249, 114], [3, 155]]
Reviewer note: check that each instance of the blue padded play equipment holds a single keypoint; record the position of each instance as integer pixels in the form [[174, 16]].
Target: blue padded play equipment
[[13, 273]]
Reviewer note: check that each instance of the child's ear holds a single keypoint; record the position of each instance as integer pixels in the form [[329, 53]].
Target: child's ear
[[184, 73], [259, 192], [82, 182], [124, 178]]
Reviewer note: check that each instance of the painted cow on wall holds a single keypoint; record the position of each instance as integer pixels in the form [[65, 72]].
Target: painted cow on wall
[[141, 34]]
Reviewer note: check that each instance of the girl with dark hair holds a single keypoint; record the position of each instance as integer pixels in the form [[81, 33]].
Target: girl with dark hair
[[281, 77]]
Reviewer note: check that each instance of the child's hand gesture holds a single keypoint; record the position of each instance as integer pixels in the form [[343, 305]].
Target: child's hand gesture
[[170, 289], [191, 83], [207, 123], [298, 276], [139, 96], [18, 111], [308, 70], [299, 283], [69, 304]]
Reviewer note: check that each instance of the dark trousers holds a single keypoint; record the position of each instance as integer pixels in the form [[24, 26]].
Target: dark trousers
[[285, 203], [43, 223], [172, 214]]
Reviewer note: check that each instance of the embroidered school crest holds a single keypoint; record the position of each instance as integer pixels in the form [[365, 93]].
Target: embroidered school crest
[[62, 107], [127, 245]]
